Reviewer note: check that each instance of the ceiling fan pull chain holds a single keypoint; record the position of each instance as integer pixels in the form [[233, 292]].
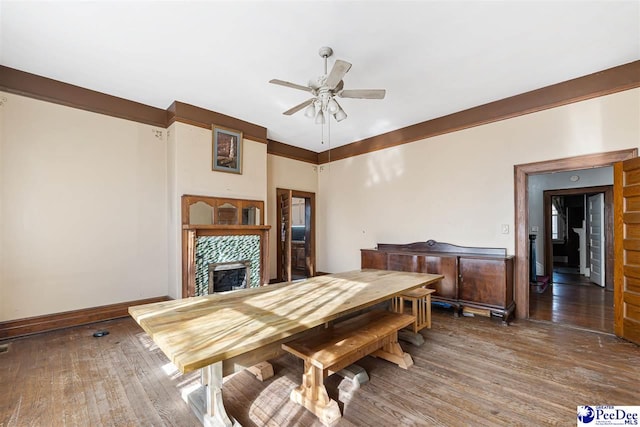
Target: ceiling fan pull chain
[[329, 141]]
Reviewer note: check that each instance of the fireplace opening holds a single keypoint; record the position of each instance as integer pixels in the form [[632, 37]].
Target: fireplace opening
[[229, 276]]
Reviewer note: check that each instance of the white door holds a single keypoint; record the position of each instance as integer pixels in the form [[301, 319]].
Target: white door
[[596, 238]]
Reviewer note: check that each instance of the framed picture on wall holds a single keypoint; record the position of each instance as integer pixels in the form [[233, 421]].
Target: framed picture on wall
[[227, 150]]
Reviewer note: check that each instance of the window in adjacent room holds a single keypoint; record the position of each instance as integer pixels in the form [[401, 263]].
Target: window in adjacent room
[[554, 223]]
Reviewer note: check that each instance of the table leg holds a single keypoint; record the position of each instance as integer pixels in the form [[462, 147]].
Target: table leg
[[206, 401], [312, 394], [262, 371], [216, 414]]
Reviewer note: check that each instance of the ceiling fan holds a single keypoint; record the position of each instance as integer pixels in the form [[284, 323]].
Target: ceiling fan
[[324, 90]]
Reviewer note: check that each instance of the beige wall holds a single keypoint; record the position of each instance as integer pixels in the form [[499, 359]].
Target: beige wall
[[189, 172], [458, 187], [90, 204], [290, 174], [83, 209]]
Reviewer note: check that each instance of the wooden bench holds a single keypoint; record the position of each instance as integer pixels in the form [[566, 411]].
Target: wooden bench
[[372, 333]]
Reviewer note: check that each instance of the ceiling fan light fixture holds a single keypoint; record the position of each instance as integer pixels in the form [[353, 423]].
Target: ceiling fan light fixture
[[310, 111], [332, 106], [340, 115], [320, 118]]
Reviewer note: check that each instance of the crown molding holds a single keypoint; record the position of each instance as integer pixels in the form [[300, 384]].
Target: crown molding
[[289, 151], [201, 117], [46, 89], [612, 80], [33, 86]]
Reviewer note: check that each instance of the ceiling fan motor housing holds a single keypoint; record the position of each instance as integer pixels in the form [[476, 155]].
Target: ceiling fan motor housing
[[325, 52]]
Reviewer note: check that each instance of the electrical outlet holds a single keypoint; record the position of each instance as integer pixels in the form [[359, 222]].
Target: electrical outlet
[[505, 228]]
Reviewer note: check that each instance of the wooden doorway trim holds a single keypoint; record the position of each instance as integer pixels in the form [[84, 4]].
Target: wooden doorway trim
[[310, 235], [608, 226], [521, 174]]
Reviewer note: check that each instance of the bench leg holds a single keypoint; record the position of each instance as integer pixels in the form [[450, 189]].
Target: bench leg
[[394, 354], [313, 395]]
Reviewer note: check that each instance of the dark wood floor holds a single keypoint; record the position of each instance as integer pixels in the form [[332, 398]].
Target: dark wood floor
[[572, 300], [470, 371]]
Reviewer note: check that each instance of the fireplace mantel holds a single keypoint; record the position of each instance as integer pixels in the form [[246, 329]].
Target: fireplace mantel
[[221, 217], [224, 228]]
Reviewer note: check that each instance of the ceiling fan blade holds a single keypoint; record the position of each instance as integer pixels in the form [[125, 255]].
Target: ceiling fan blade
[[363, 93], [338, 71], [298, 107], [291, 85]]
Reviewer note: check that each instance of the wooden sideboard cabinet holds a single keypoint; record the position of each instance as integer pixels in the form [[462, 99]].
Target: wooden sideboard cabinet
[[478, 280]]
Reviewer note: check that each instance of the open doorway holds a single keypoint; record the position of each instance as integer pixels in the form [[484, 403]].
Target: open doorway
[[576, 287], [296, 234], [571, 221], [522, 175], [578, 234]]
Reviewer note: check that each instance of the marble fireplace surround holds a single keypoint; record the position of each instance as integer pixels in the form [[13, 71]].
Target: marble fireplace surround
[[205, 244], [226, 249]]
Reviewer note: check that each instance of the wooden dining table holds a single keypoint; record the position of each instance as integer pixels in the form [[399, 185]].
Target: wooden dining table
[[227, 332]]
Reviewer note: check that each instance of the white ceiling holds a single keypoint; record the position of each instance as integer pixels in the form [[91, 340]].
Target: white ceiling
[[433, 57]]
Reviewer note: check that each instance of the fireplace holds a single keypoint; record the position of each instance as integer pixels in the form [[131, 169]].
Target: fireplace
[[205, 241], [229, 276]]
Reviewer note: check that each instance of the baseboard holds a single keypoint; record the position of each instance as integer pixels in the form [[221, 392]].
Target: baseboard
[[67, 319]]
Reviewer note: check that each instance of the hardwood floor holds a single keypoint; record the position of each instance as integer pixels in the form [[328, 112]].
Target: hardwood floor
[[470, 371], [572, 300]]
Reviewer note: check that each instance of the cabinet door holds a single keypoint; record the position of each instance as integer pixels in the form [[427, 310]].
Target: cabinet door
[[448, 267], [483, 281], [405, 262], [445, 265], [371, 258]]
